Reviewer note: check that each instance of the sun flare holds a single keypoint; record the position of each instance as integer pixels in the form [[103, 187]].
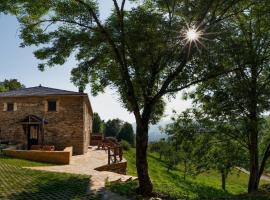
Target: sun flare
[[192, 35]]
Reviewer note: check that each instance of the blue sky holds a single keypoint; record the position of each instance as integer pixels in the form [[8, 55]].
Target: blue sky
[[21, 64]]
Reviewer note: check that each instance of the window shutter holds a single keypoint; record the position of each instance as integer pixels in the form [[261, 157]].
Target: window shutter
[[5, 107], [15, 106]]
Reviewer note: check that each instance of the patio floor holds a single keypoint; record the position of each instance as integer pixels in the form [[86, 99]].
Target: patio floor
[[85, 165]]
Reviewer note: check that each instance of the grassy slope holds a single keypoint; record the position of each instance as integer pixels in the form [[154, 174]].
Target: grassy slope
[[203, 186]]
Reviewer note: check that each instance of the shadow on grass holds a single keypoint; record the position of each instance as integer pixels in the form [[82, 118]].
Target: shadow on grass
[[187, 188], [128, 189], [24, 184], [200, 190], [72, 188]]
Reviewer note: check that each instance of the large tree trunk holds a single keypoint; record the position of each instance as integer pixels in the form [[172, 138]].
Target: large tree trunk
[[253, 168], [145, 184], [266, 156], [253, 134]]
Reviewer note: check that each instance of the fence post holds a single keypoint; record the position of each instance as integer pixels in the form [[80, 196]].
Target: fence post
[[109, 155]]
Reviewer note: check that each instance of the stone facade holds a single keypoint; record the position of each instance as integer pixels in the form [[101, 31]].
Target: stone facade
[[69, 125]]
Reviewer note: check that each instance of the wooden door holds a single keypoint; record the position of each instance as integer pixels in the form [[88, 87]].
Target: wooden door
[[33, 133]]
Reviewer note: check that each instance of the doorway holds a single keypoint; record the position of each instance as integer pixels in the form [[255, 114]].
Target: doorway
[[32, 135]]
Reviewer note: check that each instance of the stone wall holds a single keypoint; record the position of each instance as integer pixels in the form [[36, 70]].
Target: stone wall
[[66, 127], [55, 157], [119, 168], [87, 118]]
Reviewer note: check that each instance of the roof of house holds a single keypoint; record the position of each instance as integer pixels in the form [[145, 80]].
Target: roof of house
[[40, 91]]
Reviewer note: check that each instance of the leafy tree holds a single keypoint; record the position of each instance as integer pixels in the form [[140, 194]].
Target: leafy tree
[[222, 154], [145, 54], [113, 127], [98, 124], [125, 145], [204, 144], [171, 157], [158, 147], [242, 97], [183, 132], [126, 133], [8, 85]]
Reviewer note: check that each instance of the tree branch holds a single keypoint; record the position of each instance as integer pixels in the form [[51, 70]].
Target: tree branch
[[200, 80], [264, 160], [122, 61]]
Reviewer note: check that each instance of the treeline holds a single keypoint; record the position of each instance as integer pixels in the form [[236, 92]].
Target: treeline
[[114, 128]]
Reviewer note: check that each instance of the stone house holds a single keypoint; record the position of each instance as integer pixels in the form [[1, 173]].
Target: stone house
[[42, 115]]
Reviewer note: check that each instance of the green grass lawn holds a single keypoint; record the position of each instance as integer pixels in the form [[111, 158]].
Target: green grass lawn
[[25, 184], [20, 162], [172, 184]]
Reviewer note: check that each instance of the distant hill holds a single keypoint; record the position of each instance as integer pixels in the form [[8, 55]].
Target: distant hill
[[154, 131]]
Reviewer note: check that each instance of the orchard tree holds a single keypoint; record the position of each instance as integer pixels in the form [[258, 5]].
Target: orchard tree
[[243, 96], [222, 154], [171, 157], [146, 54], [184, 133], [158, 147], [204, 144]]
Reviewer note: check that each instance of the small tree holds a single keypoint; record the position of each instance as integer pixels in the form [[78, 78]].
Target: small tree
[[113, 127], [171, 157], [158, 147], [224, 156], [182, 133], [98, 124], [126, 133]]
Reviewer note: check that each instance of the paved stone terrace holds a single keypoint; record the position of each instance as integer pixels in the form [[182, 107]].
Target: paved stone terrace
[[85, 165]]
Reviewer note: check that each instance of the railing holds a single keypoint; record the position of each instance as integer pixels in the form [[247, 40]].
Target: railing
[[115, 154]]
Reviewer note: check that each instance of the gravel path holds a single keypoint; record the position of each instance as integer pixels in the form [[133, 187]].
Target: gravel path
[[265, 178]]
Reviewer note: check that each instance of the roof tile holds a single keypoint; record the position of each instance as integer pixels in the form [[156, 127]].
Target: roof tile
[[39, 91]]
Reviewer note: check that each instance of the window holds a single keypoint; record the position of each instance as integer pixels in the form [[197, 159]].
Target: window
[[52, 106], [10, 106]]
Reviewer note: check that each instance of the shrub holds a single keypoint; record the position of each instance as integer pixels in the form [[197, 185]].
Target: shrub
[[125, 145]]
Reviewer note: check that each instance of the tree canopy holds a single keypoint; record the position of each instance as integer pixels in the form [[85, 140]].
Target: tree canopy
[[241, 98], [113, 127], [8, 85], [98, 124], [126, 133]]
